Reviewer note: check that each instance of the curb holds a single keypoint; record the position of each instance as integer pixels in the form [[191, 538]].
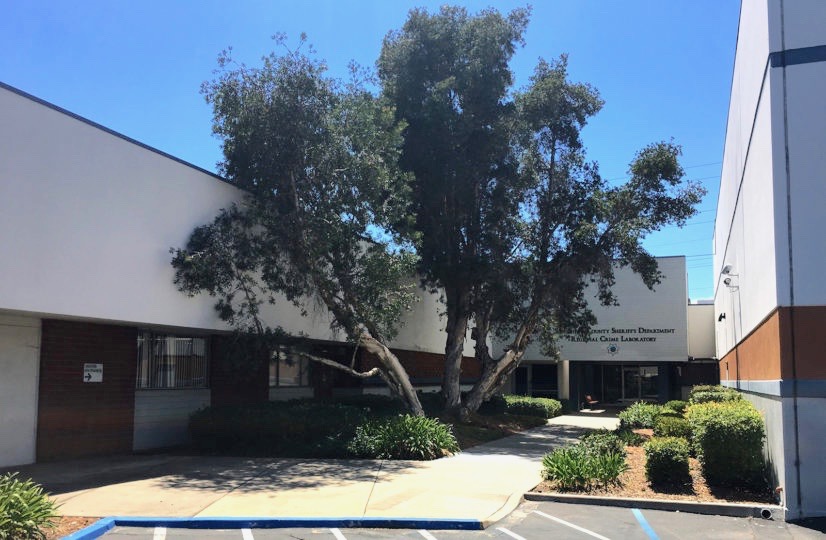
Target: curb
[[95, 530], [715, 509], [510, 505], [99, 528]]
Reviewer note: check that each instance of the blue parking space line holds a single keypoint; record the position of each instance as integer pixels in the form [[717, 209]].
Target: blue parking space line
[[644, 524]]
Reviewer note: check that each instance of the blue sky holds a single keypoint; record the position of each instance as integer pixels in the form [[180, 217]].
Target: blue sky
[[663, 67]]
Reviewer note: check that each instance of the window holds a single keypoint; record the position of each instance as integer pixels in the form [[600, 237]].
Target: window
[[167, 361], [288, 370]]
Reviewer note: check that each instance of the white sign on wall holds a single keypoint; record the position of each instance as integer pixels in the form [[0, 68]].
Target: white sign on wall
[[92, 373], [646, 326]]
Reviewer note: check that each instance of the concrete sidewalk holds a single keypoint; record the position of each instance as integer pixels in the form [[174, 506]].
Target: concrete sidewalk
[[483, 483]]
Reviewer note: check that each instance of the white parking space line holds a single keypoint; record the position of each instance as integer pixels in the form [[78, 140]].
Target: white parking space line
[[510, 533], [571, 525], [337, 534], [426, 534], [247, 534], [160, 533]]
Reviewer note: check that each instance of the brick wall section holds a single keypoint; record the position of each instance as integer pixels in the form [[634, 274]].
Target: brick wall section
[[426, 367], [78, 419], [233, 382]]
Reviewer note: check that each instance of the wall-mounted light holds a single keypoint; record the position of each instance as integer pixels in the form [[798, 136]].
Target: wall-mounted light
[[721, 317]]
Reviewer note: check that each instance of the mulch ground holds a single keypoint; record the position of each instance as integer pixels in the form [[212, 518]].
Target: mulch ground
[[66, 525], [634, 484]]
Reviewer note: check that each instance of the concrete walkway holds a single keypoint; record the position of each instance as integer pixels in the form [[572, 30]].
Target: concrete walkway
[[484, 483]]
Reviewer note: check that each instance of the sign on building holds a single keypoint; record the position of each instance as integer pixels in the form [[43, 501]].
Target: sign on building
[[92, 373]]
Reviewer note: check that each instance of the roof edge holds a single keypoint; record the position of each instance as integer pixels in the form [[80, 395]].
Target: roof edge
[[105, 129]]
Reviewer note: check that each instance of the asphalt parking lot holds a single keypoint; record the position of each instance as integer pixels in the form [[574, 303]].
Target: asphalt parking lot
[[531, 521]]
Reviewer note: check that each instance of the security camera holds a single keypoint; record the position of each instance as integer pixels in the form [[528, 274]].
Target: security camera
[[727, 269], [727, 281]]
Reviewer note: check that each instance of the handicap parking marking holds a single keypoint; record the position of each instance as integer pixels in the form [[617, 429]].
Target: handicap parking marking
[[426, 534], [510, 533], [644, 524], [571, 525]]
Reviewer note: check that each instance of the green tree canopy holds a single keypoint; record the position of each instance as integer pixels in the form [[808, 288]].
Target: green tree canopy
[[513, 220], [324, 211]]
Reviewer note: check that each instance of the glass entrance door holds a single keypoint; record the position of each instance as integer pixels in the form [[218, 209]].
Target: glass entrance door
[[631, 383], [623, 382]]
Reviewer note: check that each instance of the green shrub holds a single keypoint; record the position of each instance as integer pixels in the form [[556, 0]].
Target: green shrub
[[728, 440], [25, 509], [568, 467], [666, 460], [676, 405], [575, 468], [602, 442], [374, 404], [669, 426], [497, 404], [628, 437], [298, 428], [433, 403], [530, 406], [403, 437], [640, 415], [708, 393]]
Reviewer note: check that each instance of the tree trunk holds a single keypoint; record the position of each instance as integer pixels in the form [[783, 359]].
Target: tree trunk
[[496, 372], [395, 371], [456, 329], [492, 379]]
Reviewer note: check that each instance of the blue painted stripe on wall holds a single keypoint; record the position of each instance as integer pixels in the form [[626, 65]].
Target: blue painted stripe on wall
[[781, 388], [793, 57]]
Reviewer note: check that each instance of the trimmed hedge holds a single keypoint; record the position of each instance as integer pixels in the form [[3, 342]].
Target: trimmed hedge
[[728, 440], [677, 405], [403, 437], [602, 442], [709, 393], [670, 426], [297, 428], [531, 406], [25, 509], [666, 460], [640, 415]]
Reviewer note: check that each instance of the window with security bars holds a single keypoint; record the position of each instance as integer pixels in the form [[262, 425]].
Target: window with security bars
[[167, 361]]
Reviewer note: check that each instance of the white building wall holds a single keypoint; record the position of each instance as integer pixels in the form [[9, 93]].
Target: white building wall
[[639, 308], [701, 331], [804, 23], [806, 119], [88, 219], [770, 223], [744, 235], [424, 327], [19, 371], [162, 416]]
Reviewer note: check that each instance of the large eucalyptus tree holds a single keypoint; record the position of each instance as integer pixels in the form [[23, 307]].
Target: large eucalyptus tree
[[323, 215], [513, 220]]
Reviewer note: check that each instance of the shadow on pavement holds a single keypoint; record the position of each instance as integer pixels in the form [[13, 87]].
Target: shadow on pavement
[[207, 473]]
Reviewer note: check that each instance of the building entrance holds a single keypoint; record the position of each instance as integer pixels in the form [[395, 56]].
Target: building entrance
[[625, 382]]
